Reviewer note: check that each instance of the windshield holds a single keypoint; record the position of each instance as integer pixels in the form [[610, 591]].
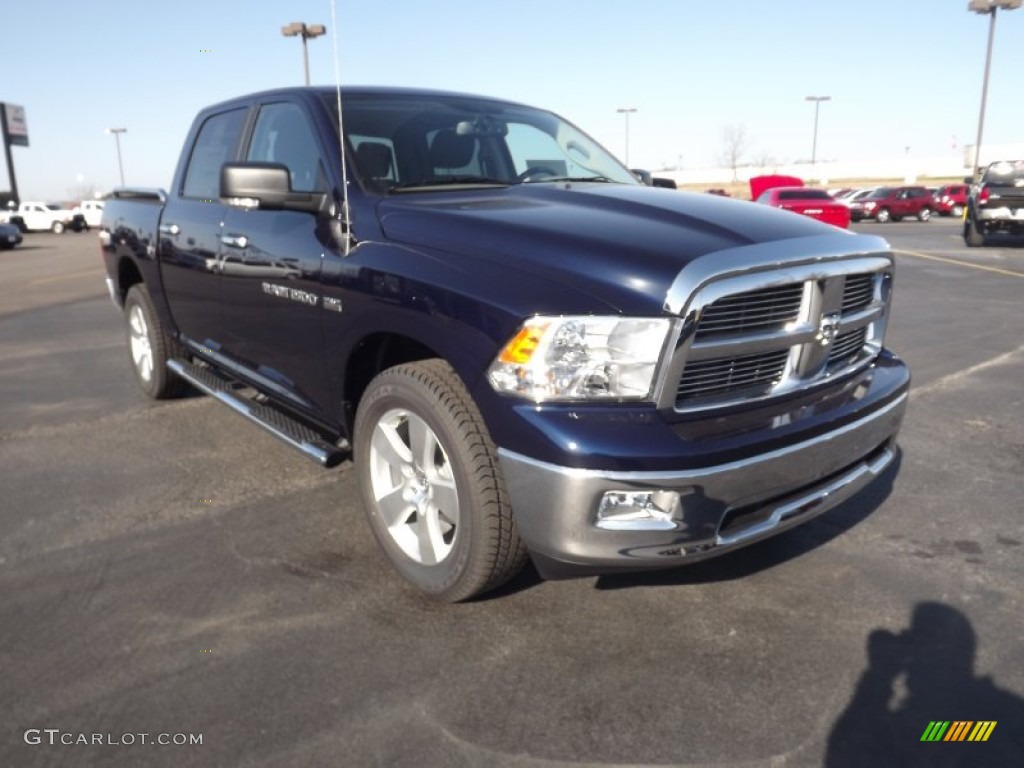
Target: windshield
[[425, 141], [805, 194]]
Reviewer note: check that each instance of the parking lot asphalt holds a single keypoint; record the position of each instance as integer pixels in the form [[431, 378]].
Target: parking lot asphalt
[[167, 568]]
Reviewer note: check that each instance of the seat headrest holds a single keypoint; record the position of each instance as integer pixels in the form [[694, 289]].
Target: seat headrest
[[450, 150], [374, 159]]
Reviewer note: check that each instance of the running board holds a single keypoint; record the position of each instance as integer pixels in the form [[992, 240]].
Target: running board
[[293, 432]]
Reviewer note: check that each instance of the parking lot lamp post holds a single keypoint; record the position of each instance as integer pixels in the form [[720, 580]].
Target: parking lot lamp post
[[117, 140], [627, 111], [989, 8], [305, 31], [814, 143]]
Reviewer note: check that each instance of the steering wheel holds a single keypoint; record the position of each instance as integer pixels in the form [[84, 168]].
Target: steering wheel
[[536, 170]]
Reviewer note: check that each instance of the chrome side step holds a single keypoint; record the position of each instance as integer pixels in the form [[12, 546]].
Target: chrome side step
[[282, 426]]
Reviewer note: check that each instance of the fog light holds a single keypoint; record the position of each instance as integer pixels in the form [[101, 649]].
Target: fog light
[[639, 511]]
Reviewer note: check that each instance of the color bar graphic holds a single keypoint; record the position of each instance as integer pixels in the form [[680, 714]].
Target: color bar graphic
[[958, 730]]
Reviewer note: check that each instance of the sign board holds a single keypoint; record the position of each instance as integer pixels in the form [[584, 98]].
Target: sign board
[[17, 128]]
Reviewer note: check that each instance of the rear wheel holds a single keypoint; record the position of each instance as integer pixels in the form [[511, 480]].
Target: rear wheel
[[882, 216], [150, 347], [973, 236], [432, 489], [57, 227], [924, 214]]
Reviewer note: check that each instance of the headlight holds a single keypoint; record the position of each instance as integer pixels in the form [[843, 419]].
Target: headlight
[[581, 358], [869, 206]]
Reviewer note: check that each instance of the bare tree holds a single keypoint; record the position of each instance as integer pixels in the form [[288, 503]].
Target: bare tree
[[766, 162], [735, 142], [79, 192]]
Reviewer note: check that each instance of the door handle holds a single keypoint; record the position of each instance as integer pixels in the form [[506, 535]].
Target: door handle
[[170, 229], [235, 241]]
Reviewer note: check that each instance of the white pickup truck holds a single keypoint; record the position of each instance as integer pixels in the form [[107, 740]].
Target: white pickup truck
[[32, 217], [91, 210]]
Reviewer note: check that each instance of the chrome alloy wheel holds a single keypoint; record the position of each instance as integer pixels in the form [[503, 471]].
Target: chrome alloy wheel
[[414, 487], [142, 349]]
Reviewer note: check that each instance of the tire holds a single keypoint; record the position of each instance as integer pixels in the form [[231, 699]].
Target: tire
[[432, 489], [57, 227], [150, 347], [924, 214], [957, 211], [973, 237], [882, 216]]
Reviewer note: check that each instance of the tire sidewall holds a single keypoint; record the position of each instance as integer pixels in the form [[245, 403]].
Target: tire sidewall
[[391, 391], [138, 298]]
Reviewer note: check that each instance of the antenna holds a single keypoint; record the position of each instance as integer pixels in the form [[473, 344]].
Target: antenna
[[346, 218]]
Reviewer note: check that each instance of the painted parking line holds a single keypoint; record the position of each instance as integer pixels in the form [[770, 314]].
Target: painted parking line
[[959, 263], [68, 276]]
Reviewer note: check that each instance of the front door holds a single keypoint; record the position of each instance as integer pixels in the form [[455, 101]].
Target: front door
[[270, 267]]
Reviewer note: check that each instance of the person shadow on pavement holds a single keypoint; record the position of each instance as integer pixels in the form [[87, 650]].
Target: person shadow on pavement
[[918, 677]]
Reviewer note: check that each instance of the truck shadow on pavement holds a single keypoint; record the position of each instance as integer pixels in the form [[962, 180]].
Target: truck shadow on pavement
[[919, 702]]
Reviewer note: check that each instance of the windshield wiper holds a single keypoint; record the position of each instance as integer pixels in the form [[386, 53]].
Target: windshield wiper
[[603, 179], [448, 181]]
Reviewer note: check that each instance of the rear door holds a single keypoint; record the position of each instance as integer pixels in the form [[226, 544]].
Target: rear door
[[271, 263], [190, 231]]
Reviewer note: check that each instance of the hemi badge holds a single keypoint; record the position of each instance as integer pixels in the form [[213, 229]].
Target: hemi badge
[[332, 304]]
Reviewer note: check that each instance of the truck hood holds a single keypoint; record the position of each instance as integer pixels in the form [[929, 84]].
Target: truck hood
[[622, 244]]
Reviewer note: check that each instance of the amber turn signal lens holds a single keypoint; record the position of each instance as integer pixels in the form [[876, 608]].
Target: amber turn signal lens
[[520, 349]]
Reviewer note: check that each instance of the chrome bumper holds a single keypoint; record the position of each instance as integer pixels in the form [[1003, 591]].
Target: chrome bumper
[[723, 507]]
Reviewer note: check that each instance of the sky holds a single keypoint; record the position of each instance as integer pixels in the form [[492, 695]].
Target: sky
[[904, 76]]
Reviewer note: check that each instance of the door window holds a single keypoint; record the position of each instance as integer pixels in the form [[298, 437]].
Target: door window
[[215, 145], [283, 135]]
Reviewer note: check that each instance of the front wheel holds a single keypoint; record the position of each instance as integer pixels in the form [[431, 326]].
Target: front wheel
[[432, 489], [150, 347], [57, 227], [924, 214], [957, 211], [882, 216]]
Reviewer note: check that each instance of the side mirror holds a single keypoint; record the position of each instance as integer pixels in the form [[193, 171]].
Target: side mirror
[[266, 186], [644, 176]]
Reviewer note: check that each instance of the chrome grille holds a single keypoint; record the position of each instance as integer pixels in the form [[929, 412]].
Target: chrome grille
[[858, 292], [846, 346], [708, 378], [777, 337], [751, 311]]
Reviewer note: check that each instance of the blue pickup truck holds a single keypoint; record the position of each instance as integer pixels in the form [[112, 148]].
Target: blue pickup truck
[[524, 351]]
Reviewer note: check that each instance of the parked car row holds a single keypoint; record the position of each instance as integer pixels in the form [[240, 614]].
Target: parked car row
[[893, 203]]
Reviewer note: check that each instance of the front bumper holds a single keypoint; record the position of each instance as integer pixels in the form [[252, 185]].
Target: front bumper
[[723, 507]]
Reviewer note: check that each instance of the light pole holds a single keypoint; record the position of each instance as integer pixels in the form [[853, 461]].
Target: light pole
[[117, 139], [987, 7], [627, 111], [299, 28], [814, 144]]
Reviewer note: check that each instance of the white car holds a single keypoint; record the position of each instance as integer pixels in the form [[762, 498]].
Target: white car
[[856, 196]]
